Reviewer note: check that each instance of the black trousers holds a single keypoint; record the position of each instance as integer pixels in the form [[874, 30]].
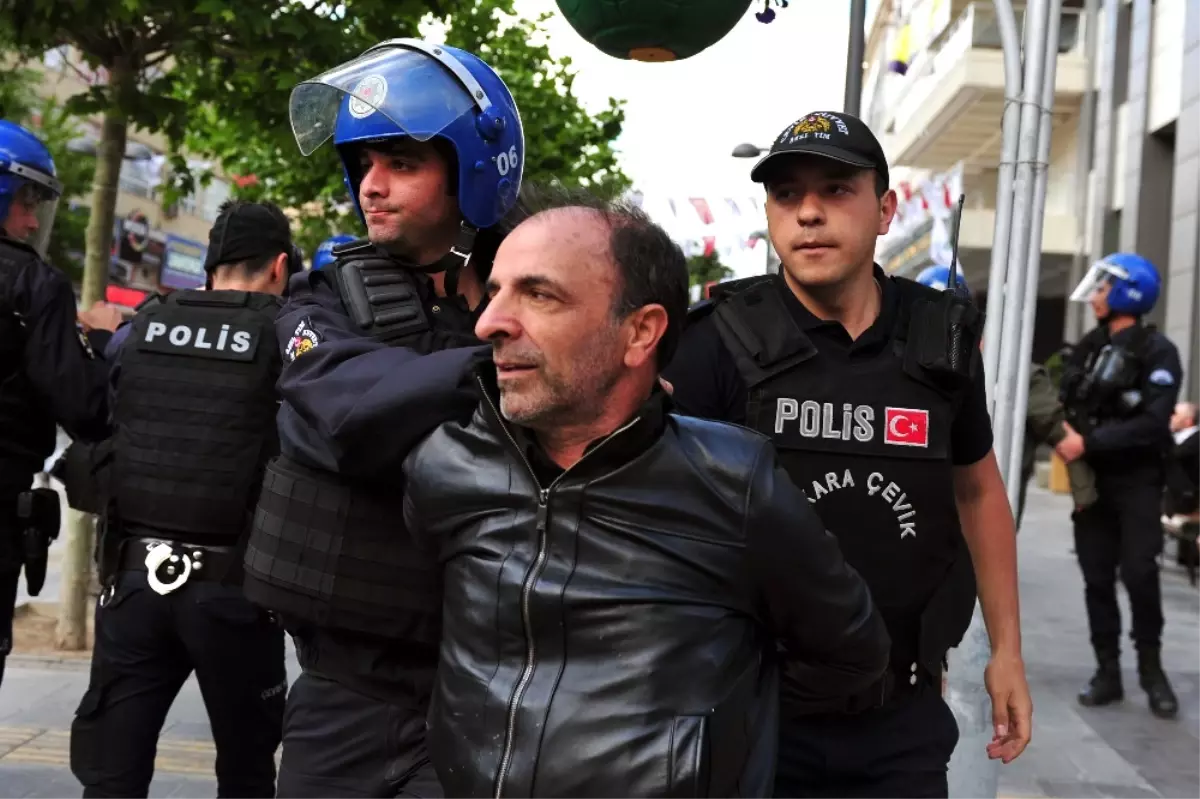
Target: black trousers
[[338, 742], [10, 570], [146, 647], [1121, 534], [899, 750], [9, 582]]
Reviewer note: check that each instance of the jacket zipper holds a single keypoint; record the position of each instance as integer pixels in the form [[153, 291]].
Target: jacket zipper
[[543, 515]]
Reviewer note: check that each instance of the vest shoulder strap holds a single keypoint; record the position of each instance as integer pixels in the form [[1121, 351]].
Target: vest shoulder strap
[[381, 296], [760, 332], [919, 315]]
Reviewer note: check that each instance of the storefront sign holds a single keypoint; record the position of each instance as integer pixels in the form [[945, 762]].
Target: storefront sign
[[183, 263]]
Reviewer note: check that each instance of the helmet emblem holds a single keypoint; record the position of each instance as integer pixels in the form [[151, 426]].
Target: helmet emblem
[[368, 96]]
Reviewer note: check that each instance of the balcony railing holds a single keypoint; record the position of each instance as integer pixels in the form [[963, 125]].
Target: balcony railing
[[975, 28]]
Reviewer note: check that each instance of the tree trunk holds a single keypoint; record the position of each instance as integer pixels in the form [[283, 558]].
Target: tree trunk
[[110, 153], [71, 633]]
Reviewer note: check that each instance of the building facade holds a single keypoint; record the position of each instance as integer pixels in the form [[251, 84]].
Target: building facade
[[1125, 176], [156, 247]]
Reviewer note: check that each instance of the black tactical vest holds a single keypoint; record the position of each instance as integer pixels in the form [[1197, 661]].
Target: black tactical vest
[[333, 553], [26, 424], [869, 443], [195, 414]]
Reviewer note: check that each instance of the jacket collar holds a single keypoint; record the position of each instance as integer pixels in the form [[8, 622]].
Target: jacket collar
[[630, 440]]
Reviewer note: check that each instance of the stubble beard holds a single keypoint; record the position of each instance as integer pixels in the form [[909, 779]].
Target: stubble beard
[[561, 400]]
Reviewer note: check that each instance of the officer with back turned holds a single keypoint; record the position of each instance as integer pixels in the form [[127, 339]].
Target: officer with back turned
[[49, 372], [1119, 387], [375, 343], [872, 390], [194, 410]]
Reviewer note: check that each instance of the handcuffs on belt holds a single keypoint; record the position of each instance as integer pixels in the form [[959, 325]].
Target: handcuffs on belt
[[162, 553]]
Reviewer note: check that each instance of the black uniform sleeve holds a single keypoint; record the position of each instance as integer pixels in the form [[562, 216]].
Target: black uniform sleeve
[[99, 339], [705, 376], [353, 404], [835, 641], [112, 354], [971, 432], [59, 361], [1151, 424]]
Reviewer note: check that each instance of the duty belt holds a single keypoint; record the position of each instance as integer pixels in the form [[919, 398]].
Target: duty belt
[[170, 564]]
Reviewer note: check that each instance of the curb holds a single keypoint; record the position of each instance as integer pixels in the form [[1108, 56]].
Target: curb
[[65, 662]]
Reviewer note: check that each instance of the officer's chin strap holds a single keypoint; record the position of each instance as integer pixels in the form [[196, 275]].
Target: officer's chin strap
[[452, 263]]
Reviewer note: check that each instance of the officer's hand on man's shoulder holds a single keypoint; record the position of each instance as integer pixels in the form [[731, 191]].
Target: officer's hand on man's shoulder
[[101, 316]]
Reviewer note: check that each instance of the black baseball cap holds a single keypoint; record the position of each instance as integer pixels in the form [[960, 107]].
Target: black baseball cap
[[246, 230], [827, 134]]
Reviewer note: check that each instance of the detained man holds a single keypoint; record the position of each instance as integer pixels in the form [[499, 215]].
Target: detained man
[[615, 576]]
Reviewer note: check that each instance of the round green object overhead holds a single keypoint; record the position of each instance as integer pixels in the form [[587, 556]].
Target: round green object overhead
[[653, 30]]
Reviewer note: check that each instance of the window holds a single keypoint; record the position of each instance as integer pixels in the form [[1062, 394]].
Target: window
[[135, 179], [217, 192]]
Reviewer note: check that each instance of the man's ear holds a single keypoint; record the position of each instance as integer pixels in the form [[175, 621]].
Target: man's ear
[[279, 269], [647, 326]]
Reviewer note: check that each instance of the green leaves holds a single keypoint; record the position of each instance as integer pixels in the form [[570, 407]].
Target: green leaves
[[234, 64], [703, 269]]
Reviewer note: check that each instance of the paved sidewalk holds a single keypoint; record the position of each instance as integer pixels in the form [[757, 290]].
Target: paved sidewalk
[[1119, 751]]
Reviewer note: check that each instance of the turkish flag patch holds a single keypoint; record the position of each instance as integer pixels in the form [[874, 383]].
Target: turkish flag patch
[[907, 427]]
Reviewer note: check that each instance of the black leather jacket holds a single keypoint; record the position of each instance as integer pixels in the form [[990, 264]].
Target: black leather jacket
[[612, 631]]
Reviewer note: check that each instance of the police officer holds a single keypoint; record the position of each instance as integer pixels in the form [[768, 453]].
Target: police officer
[[432, 147], [49, 372], [883, 423], [1120, 386], [1044, 416], [323, 257], [194, 385]]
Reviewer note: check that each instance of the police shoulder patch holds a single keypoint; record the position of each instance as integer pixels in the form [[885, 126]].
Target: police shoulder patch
[[304, 338], [1162, 377]]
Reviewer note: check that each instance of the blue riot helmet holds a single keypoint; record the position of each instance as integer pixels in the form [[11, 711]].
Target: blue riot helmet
[[324, 254], [412, 88], [938, 277], [27, 171], [1135, 283]]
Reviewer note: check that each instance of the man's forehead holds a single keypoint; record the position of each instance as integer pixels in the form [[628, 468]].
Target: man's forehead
[[813, 167], [567, 244], [395, 146]]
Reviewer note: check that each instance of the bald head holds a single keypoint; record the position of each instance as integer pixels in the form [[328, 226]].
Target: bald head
[[579, 311]]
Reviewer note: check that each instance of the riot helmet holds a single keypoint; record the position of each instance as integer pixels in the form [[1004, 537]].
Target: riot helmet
[[324, 255], [415, 89], [1135, 283], [27, 175]]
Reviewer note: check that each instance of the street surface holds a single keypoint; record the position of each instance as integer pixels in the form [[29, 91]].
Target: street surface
[[1119, 751]]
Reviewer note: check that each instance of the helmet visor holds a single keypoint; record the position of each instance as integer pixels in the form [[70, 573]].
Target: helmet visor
[[45, 187], [1099, 274], [46, 210], [410, 89]]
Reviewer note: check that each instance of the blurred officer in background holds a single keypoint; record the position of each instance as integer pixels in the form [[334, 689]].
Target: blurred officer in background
[[1119, 388], [194, 411], [1044, 416], [49, 371], [324, 256]]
